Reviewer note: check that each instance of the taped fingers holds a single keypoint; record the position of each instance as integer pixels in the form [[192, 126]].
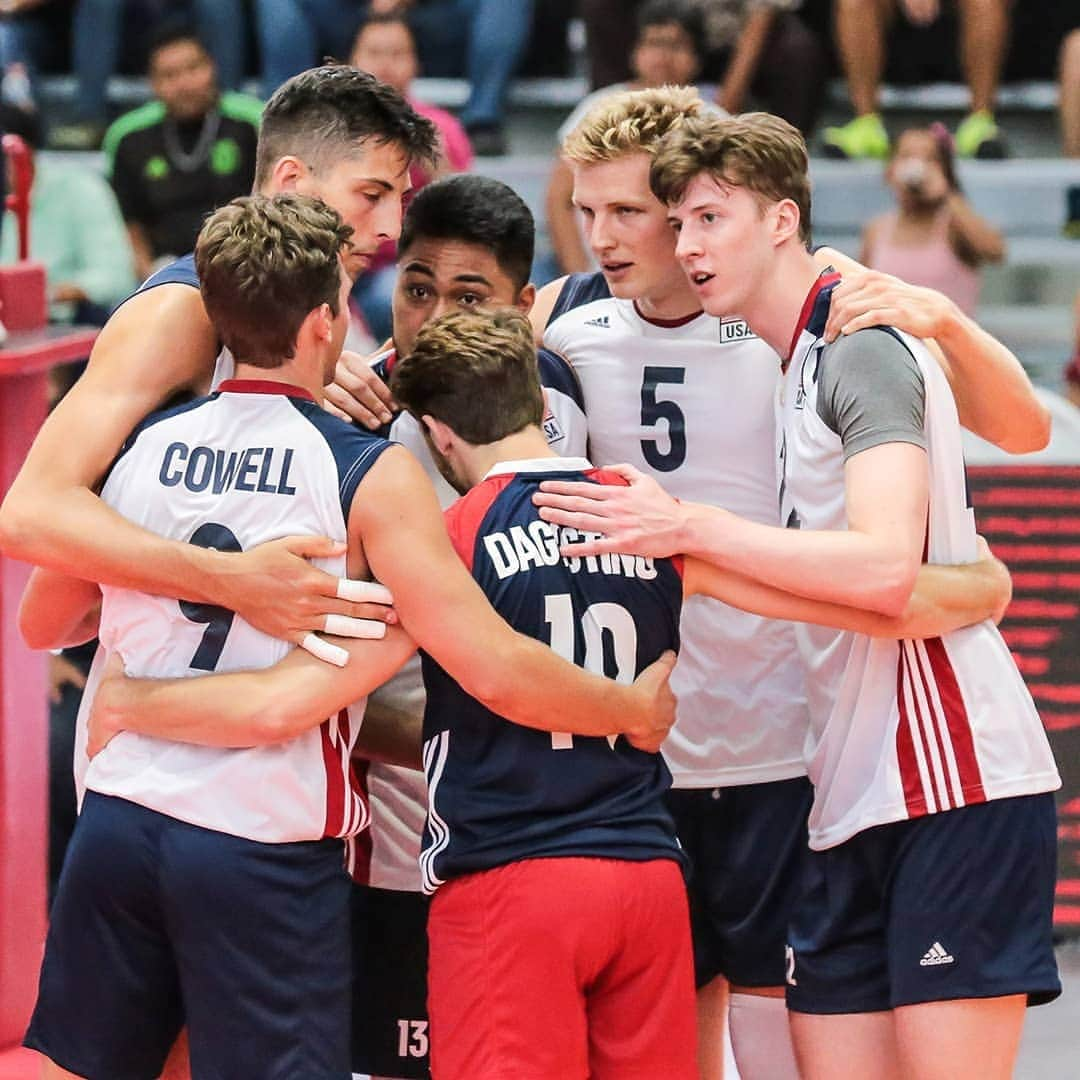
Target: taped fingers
[[347, 626], [323, 650], [364, 592]]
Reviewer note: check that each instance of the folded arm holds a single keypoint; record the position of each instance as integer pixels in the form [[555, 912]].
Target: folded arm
[[945, 598], [245, 708]]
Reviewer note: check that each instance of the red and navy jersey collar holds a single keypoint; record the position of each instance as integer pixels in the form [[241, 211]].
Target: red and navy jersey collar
[[539, 465], [815, 309], [264, 386]]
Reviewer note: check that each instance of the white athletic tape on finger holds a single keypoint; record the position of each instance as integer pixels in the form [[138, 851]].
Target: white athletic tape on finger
[[347, 626], [364, 592], [323, 650]]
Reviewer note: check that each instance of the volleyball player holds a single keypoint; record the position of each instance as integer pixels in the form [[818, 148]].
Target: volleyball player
[[923, 925]]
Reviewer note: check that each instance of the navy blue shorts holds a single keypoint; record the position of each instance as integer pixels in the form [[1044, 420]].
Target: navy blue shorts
[[158, 923], [951, 905], [390, 966], [746, 846]]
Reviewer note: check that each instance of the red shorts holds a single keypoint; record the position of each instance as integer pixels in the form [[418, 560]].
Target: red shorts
[[559, 969]]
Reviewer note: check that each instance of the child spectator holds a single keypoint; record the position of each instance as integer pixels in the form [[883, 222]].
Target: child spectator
[[933, 238]]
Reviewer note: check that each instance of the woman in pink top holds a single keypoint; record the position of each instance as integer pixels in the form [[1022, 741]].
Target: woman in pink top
[[933, 237], [385, 47]]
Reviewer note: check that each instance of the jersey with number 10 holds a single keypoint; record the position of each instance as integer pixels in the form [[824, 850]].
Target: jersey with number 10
[[254, 462], [497, 791]]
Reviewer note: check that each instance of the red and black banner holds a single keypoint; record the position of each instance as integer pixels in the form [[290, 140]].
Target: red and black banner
[[1031, 517]]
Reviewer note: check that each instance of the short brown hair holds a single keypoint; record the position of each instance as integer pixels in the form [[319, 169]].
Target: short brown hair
[[756, 151], [475, 371], [264, 265], [327, 113], [628, 122]]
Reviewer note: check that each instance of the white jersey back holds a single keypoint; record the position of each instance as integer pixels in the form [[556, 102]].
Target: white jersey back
[[692, 404], [901, 728], [398, 796], [255, 462]]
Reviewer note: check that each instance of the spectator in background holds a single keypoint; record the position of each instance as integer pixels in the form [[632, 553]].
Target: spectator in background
[[763, 48], [934, 237], [667, 51], [385, 47], [35, 33], [485, 39], [860, 39], [183, 154], [76, 231], [610, 33]]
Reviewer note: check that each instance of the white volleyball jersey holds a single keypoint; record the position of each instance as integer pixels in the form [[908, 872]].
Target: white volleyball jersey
[[398, 796], [898, 729], [254, 462], [692, 405]]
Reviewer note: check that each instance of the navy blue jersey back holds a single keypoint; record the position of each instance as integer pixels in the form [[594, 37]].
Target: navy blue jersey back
[[498, 791]]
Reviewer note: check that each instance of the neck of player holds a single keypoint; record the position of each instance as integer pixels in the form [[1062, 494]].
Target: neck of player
[[774, 307], [525, 445], [675, 299], [305, 371]]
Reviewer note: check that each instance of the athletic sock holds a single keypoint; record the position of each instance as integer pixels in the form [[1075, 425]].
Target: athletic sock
[[761, 1038]]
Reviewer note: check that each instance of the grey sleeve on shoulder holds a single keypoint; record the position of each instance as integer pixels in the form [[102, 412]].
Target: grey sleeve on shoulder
[[871, 391]]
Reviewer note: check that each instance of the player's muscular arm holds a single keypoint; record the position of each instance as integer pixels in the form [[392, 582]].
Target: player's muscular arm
[[994, 396], [158, 343], [397, 517], [945, 598], [872, 565], [58, 610], [543, 306], [244, 708]]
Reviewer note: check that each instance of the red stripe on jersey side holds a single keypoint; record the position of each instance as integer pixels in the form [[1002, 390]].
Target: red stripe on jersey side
[[335, 779], [946, 799], [924, 724], [914, 796], [464, 518], [360, 864], [359, 809], [956, 716]]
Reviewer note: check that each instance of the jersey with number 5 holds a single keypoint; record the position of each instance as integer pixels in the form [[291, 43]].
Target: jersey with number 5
[[498, 791], [691, 402], [254, 462]]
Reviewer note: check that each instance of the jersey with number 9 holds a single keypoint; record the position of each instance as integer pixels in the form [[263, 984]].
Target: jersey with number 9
[[253, 462]]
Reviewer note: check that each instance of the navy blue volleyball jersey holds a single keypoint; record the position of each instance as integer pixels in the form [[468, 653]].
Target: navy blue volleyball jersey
[[497, 791]]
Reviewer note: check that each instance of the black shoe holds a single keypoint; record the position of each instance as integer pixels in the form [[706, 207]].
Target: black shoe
[[488, 140]]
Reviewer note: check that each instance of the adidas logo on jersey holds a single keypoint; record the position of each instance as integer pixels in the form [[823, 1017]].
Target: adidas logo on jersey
[[735, 330], [601, 320], [935, 956]]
